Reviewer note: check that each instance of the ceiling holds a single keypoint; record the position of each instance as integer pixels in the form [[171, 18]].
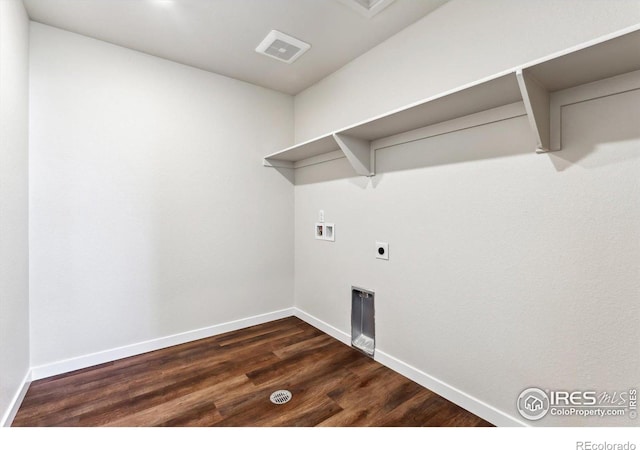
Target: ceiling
[[221, 35]]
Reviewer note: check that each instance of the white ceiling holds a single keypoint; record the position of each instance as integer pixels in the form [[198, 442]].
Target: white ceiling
[[221, 35]]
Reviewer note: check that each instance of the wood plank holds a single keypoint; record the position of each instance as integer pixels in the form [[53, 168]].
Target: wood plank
[[226, 380]]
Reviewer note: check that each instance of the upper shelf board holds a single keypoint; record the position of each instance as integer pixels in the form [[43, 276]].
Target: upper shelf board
[[304, 150], [469, 99], [605, 57], [585, 64]]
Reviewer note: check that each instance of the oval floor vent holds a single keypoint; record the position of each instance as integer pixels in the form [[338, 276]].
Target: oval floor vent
[[280, 397]]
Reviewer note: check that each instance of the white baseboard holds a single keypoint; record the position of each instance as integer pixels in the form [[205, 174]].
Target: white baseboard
[[16, 401], [332, 331], [441, 388], [81, 362], [462, 399], [466, 401]]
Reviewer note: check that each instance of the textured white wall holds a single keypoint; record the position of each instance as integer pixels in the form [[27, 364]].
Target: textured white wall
[[14, 245], [151, 213], [507, 269]]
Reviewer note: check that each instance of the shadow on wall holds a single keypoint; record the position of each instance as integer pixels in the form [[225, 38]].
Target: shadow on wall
[[332, 170], [289, 174], [594, 156], [612, 139]]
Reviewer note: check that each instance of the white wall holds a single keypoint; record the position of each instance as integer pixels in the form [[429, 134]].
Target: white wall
[[14, 250], [151, 213], [507, 269], [460, 42]]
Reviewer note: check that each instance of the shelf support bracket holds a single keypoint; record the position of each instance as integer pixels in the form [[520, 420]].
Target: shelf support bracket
[[537, 104], [358, 152]]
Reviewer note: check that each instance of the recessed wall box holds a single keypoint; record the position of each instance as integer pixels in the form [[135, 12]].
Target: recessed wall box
[[363, 330], [329, 232]]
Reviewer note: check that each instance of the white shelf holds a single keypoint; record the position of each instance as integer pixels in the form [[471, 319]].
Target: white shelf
[[305, 150], [544, 86], [606, 66], [605, 57]]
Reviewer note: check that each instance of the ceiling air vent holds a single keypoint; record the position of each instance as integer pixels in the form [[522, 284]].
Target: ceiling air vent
[[282, 47], [367, 8]]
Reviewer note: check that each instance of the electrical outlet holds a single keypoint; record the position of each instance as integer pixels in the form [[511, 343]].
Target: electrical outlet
[[382, 250]]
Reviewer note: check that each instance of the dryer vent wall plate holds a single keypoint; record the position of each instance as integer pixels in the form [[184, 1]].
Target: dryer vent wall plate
[[282, 47], [363, 327]]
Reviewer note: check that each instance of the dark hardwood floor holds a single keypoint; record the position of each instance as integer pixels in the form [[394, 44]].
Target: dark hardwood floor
[[226, 380]]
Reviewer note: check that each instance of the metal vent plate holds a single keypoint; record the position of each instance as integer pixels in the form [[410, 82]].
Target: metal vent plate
[[282, 47], [280, 397]]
